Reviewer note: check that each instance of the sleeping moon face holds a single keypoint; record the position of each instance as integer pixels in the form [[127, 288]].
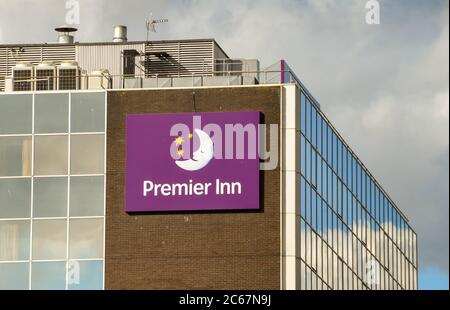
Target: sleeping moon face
[[201, 156]]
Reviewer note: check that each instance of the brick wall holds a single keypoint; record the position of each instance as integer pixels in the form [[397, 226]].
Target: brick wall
[[205, 250]]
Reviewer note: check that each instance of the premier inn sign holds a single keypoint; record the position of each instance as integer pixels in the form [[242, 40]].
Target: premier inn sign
[[192, 161]]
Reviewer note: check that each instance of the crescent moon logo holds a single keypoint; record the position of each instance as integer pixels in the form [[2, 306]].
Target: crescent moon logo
[[202, 156]]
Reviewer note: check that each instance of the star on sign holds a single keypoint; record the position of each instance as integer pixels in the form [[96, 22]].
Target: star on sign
[[179, 140]]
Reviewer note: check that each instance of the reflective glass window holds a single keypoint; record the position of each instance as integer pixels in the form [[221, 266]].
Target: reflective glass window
[[15, 114], [14, 276], [86, 196], [50, 156], [50, 197], [48, 276], [51, 113], [15, 156], [14, 240], [88, 112], [87, 154], [49, 239], [15, 198], [86, 238]]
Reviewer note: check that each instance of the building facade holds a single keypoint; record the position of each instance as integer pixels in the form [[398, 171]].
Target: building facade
[[323, 222]]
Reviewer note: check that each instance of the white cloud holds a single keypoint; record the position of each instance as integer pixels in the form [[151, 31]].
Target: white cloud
[[384, 87]]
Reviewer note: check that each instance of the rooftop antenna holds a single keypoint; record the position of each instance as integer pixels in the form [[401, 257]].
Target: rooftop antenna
[[151, 23]]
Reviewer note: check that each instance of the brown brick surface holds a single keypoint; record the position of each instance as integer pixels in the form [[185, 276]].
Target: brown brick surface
[[215, 250]]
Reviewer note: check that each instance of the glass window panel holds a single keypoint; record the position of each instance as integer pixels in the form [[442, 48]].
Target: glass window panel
[[86, 238], [302, 197], [324, 179], [344, 166], [49, 239], [313, 167], [15, 114], [319, 175], [88, 112], [15, 198], [313, 127], [330, 145], [308, 120], [87, 154], [90, 276], [86, 196], [308, 161], [14, 276], [324, 139], [339, 158], [14, 240], [51, 113], [308, 203], [302, 113], [48, 276], [15, 156], [349, 170], [50, 197], [330, 186], [50, 156], [302, 155], [319, 133]]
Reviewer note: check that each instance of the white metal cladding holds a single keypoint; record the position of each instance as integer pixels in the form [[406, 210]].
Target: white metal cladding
[[180, 58], [10, 55], [95, 57]]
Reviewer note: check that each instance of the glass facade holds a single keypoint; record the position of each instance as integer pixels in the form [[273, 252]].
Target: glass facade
[[350, 233], [52, 190]]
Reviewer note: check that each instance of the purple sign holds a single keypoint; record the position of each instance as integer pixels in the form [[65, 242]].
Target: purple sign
[[192, 161]]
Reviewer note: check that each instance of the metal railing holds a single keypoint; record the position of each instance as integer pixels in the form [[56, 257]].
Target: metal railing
[[142, 80]]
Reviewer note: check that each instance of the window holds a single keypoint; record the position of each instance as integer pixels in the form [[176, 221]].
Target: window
[[15, 156], [319, 133], [51, 113], [308, 120], [313, 127], [86, 196], [303, 113], [302, 155], [49, 239], [91, 276], [87, 154], [48, 276], [50, 197], [15, 198], [14, 276], [88, 112], [14, 240], [50, 155], [86, 238], [15, 114]]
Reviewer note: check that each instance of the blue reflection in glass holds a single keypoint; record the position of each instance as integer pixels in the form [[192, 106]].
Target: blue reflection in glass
[[48, 276], [308, 120], [91, 276], [302, 197], [303, 113], [14, 276]]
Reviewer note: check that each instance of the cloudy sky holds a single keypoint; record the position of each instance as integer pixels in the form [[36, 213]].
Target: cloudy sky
[[385, 87]]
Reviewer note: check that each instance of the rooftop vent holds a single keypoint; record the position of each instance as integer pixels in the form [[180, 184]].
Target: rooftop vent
[[120, 33], [65, 34]]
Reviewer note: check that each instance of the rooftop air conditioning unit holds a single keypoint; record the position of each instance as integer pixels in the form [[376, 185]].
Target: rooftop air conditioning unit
[[22, 76], [68, 74], [45, 74]]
